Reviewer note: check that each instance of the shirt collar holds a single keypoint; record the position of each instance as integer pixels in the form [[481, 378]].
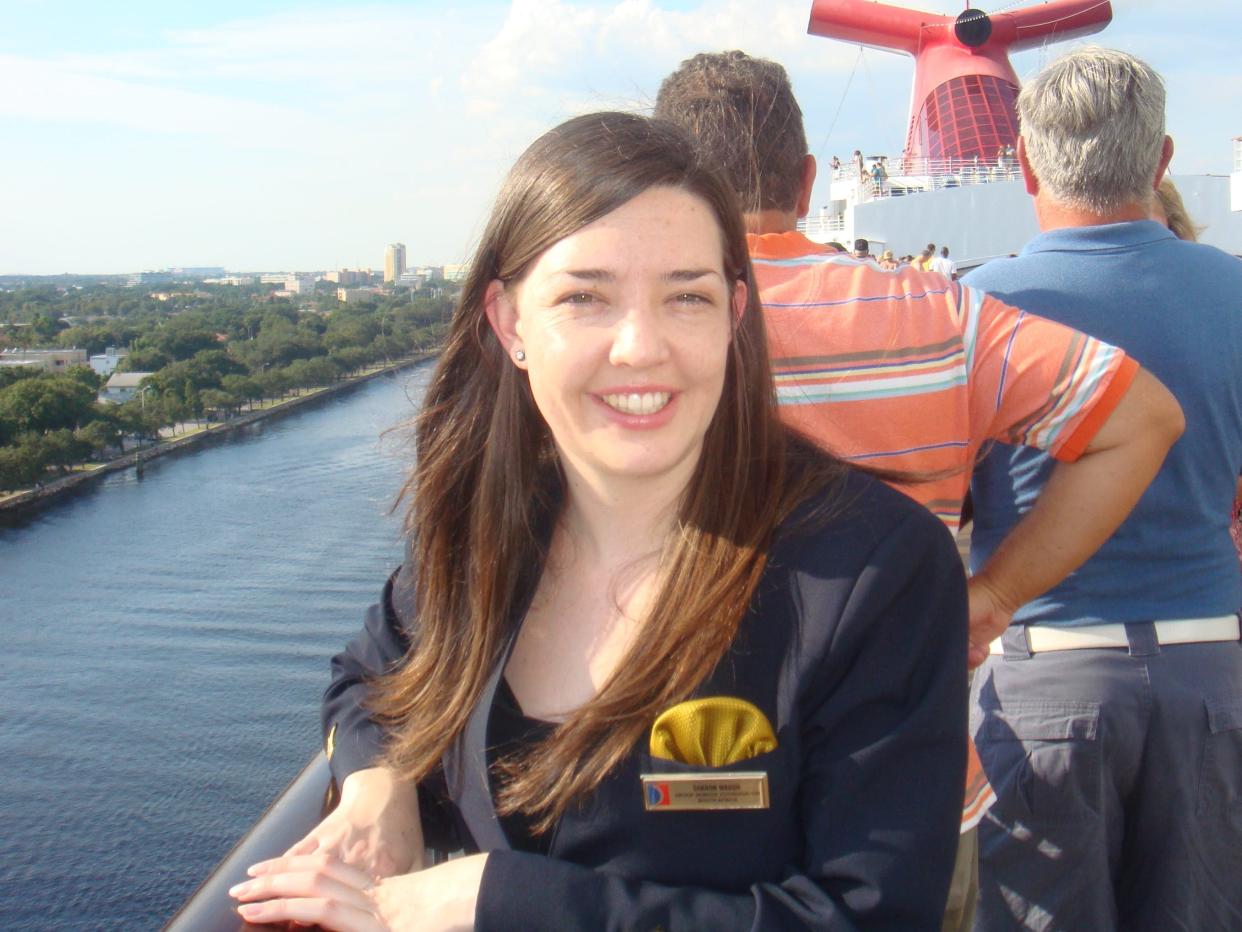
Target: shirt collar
[[784, 245], [1104, 236]]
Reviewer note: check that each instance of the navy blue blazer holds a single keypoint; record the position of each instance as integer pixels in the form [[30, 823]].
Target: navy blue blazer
[[855, 649]]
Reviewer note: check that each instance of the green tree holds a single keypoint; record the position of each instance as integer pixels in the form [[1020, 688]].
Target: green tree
[[217, 402], [144, 418], [275, 383], [350, 358], [309, 373], [11, 374], [205, 370], [174, 407], [64, 448], [22, 464], [46, 326], [87, 376], [181, 337], [279, 343], [144, 359], [243, 387], [193, 400], [102, 434], [50, 403]]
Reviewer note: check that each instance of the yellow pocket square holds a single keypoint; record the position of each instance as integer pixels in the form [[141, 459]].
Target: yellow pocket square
[[712, 732]]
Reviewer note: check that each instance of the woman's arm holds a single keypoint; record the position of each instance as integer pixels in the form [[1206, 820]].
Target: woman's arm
[[354, 741], [376, 825]]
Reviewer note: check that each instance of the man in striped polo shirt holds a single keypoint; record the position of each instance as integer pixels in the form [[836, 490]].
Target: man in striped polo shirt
[[907, 371]]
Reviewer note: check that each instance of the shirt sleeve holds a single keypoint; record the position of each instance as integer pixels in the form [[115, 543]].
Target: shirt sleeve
[[1035, 382], [352, 739], [884, 723]]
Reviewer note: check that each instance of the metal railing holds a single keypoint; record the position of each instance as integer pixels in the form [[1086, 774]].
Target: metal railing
[[904, 176], [821, 225], [295, 812]]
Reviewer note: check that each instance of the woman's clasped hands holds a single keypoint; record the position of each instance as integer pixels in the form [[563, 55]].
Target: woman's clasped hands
[[359, 869], [374, 828], [320, 889]]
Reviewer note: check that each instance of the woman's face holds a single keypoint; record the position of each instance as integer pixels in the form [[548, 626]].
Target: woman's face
[[625, 326]]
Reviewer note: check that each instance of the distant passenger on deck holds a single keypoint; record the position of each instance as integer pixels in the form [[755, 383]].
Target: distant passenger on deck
[[1109, 716], [907, 371], [879, 177], [945, 266]]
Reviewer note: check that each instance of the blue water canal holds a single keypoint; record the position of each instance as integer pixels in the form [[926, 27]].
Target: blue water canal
[[165, 643]]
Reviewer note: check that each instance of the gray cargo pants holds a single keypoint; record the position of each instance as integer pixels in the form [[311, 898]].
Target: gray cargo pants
[[1118, 776]]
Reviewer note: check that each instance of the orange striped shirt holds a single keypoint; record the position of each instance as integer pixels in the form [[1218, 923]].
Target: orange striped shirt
[[909, 371]]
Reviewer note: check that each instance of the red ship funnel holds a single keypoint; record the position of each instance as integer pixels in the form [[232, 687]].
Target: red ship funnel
[[965, 89]]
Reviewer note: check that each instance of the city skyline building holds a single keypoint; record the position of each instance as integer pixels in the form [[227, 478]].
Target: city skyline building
[[394, 261]]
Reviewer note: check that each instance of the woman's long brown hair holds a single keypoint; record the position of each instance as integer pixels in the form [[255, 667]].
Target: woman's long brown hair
[[486, 489]]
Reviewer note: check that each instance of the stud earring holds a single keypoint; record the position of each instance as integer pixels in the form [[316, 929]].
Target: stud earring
[[520, 355]]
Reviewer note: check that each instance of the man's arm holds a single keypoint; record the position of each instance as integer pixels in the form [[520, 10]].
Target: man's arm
[[1079, 508]]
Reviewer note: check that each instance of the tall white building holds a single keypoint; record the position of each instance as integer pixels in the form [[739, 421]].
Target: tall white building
[[394, 261]]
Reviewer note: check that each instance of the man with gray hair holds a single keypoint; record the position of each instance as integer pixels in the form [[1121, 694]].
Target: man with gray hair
[[1109, 714]]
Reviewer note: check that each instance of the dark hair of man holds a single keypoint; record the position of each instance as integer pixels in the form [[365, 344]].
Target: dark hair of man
[[742, 112], [487, 486]]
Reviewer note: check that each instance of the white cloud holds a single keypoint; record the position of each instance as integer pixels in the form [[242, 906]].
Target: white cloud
[[56, 92]]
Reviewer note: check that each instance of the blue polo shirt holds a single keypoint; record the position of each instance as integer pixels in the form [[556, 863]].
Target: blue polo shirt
[[1176, 307]]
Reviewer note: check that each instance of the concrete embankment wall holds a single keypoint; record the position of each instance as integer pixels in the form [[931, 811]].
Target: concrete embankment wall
[[32, 499]]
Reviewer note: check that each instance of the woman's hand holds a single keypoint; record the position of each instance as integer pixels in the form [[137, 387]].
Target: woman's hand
[[318, 889], [375, 828]]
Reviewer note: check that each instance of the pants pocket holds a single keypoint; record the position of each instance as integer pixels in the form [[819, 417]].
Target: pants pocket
[[1043, 759], [1220, 776]]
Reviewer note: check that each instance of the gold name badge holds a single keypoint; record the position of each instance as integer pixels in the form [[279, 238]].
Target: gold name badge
[[680, 792]]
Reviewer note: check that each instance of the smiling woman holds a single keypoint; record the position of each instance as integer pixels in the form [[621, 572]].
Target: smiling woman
[[652, 660], [625, 326]]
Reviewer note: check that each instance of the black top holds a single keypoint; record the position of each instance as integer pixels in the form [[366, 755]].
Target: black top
[[508, 731], [854, 648]]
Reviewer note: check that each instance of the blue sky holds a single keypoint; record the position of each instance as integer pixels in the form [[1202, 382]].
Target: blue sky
[[279, 135]]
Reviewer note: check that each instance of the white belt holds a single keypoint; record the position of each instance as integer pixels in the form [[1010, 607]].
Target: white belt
[[1174, 631]]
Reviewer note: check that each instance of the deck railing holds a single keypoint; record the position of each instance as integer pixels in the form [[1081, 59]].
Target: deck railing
[[904, 176], [822, 226], [295, 812]]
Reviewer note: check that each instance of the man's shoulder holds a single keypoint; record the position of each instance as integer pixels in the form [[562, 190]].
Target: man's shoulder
[[786, 247], [995, 273], [845, 280], [1204, 256], [1068, 257]]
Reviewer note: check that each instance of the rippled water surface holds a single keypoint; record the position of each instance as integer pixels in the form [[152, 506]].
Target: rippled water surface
[[165, 645]]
